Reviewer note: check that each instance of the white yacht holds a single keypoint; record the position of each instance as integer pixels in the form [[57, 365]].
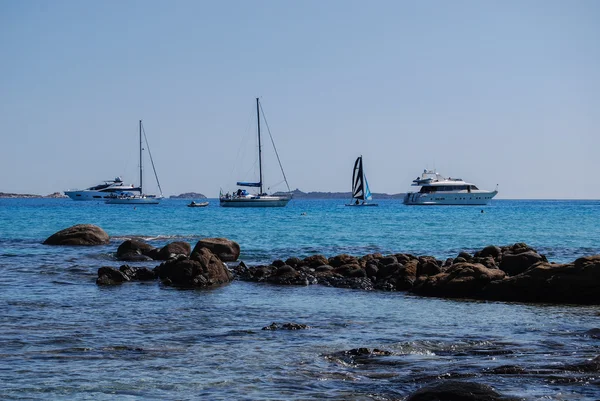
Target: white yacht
[[128, 198], [439, 190], [106, 190], [241, 197]]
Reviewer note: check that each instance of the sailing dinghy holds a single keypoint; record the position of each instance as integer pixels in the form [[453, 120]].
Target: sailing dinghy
[[360, 187]]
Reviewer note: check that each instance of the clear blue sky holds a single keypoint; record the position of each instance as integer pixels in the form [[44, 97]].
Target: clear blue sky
[[496, 92]]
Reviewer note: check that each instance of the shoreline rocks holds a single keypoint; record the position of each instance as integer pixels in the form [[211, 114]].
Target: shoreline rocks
[[513, 273]]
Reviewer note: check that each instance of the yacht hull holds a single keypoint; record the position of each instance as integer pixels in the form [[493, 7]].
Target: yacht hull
[[133, 201], [84, 195], [254, 201], [475, 198]]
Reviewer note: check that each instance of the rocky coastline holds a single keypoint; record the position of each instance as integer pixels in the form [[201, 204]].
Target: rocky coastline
[[512, 273], [515, 273], [5, 195]]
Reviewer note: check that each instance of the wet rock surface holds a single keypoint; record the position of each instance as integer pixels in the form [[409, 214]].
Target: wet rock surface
[[80, 234], [457, 391], [509, 273], [286, 326], [223, 248]]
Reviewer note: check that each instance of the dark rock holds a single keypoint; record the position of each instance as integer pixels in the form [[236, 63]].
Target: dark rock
[[203, 269], [388, 260], [144, 274], [341, 260], [293, 261], [371, 270], [575, 283], [388, 271], [490, 250], [278, 263], [315, 261], [465, 255], [132, 247], [324, 268], [591, 366], [358, 272], [513, 264], [361, 283], [284, 269], [460, 260], [345, 270], [507, 370], [428, 267], [458, 281], [81, 234], [286, 326], [224, 249], [456, 391], [174, 249], [593, 333], [110, 276]]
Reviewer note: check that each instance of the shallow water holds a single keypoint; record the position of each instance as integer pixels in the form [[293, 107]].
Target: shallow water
[[63, 337]]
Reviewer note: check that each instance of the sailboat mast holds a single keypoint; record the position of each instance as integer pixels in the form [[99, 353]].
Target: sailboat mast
[[260, 176], [141, 191]]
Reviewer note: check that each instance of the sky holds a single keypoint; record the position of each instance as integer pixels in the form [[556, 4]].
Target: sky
[[500, 93]]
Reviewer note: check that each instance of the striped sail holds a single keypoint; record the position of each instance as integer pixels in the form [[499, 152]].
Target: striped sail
[[358, 188]]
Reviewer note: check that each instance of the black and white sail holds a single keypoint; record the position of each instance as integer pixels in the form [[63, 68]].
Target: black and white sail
[[360, 186]]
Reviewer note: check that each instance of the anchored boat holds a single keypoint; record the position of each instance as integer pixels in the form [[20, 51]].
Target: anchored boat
[[127, 198], [241, 197], [439, 190]]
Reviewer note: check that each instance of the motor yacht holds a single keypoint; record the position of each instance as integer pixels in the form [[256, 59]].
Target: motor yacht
[[108, 189], [439, 190]]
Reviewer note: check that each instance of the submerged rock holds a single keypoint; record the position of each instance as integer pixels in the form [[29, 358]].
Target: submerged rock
[[111, 276], [80, 234], [457, 391], [286, 326]]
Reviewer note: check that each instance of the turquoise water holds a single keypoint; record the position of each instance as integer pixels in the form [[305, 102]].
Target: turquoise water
[[62, 337]]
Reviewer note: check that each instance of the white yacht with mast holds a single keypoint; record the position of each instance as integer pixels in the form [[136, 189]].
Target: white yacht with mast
[[360, 187], [241, 197], [141, 198], [439, 190]]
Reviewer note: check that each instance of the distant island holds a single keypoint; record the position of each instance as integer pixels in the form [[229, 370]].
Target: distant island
[[52, 195], [188, 195], [337, 195]]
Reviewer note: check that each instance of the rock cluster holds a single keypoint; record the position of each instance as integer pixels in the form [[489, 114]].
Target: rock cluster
[[182, 266], [510, 273]]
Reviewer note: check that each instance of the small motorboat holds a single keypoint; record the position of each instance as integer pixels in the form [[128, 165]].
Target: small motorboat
[[201, 204]]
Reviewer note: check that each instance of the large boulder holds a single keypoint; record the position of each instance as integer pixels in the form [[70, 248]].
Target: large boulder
[[575, 283], [342, 259], [513, 264], [224, 249], [133, 250], [202, 269], [458, 281], [173, 250], [80, 234]]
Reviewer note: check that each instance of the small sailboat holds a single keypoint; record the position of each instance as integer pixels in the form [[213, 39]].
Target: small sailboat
[[127, 198], [360, 187], [242, 198]]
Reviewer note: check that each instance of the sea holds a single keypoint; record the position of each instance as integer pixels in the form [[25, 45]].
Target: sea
[[62, 337]]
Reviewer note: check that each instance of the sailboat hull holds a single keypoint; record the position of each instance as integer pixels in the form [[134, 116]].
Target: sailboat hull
[[362, 204], [255, 201], [134, 200]]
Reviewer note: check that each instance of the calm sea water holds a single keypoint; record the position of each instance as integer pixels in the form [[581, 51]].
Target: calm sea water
[[63, 337]]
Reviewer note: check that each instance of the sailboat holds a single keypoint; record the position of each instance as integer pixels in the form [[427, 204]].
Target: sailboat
[[360, 187], [242, 198], [120, 198]]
